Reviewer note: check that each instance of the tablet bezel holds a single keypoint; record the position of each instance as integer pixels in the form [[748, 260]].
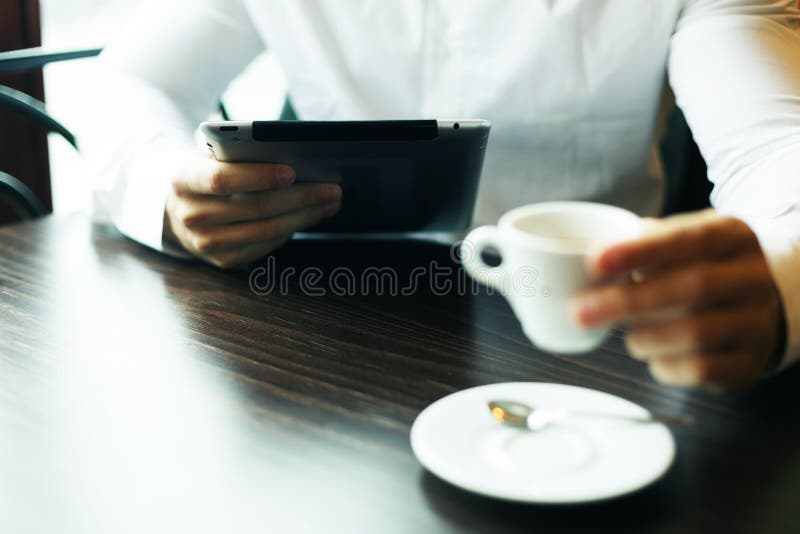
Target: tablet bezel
[[440, 151]]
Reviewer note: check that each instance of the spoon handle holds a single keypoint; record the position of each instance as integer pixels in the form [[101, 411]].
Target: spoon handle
[[672, 420]]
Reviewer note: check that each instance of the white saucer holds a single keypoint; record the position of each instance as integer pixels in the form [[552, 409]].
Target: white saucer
[[577, 460]]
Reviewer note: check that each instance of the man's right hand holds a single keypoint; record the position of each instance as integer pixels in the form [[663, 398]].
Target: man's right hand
[[229, 214]]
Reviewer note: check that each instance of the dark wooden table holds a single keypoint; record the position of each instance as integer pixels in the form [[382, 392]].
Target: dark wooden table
[[142, 393]]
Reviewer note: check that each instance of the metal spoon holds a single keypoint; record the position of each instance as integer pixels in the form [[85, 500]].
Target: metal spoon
[[521, 415]]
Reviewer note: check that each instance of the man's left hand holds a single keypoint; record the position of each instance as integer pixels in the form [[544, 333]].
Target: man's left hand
[[700, 303]]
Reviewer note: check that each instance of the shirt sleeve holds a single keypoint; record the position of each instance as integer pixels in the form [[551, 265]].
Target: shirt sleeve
[[158, 80], [734, 67]]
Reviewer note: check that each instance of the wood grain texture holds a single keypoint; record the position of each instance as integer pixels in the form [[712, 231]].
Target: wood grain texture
[[143, 393]]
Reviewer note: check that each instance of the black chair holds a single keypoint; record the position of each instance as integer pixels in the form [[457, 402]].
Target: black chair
[[30, 59], [687, 187], [12, 191], [20, 197]]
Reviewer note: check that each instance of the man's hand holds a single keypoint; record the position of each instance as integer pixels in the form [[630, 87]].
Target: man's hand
[[697, 295], [230, 214]]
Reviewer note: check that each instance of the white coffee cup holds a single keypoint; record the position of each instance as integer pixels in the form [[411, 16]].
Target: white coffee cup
[[543, 250]]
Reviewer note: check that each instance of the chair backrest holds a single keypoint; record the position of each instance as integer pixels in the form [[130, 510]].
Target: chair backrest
[[32, 116], [687, 187], [24, 148], [19, 197], [287, 112]]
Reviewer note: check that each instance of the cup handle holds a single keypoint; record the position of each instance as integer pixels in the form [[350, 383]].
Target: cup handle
[[470, 254]]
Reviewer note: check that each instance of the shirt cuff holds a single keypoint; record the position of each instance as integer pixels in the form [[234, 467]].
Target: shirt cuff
[[782, 251], [140, 214]]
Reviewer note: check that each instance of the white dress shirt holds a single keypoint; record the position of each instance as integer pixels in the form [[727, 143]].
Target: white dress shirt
[[575, 89]]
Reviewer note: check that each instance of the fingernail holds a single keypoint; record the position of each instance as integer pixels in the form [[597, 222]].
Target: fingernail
[[285, 175], [331, 209], [592, 255], [606, 261], [333, 192], [586, 309], [613, 260]]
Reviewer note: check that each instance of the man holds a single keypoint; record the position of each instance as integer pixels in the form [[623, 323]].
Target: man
[[576, 91]]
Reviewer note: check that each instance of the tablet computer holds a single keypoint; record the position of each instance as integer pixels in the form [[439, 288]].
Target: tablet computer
[[396, 176]]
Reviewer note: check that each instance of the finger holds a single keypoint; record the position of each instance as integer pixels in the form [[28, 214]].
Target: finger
[[212, 240], [676, 243], [726, 371], [244, 256], [210, 177], [734, 328], [703, 285], [204, 210]]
